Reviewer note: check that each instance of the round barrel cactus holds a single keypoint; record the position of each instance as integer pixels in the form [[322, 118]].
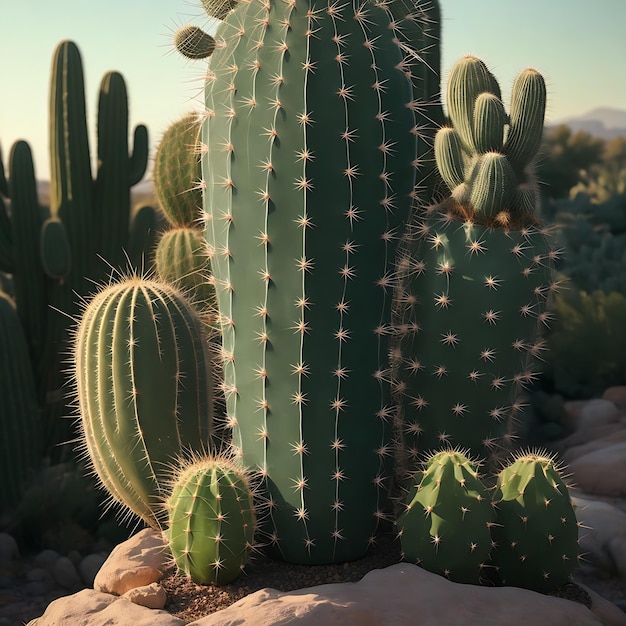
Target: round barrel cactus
[[309, 164], [211, 520], [144, 384]]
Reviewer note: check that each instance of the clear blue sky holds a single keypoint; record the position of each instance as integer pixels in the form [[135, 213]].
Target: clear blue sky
[[578, 45]]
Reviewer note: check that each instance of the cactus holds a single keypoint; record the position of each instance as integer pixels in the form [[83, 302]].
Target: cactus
[[178, 173], [143, 380], [309, 166], [485, 167], [58, 255], [211, 520], [20, 441], [446, 525], [536, 531], [472, 297]]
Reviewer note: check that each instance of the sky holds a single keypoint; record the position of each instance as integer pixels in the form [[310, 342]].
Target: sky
[[578, 45]]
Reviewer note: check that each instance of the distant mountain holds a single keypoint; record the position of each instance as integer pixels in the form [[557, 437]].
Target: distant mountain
[[602, 122]]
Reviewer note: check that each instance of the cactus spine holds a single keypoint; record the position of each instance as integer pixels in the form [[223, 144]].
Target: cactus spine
[[211, 520], [309, 172], [143, 382], [536, 531], [475, 278], [446, 524]]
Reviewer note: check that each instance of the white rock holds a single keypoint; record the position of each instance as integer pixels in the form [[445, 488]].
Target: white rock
[[602, 536], [136, 562], [403, 595], [92, 608], [596, 412], [151, 596]]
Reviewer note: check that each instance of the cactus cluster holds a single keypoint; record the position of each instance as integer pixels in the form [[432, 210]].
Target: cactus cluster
[[524, 534], [56, 255], [484, 156], [472, 296]]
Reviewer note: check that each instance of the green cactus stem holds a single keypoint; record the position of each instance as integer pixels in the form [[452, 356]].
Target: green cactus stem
[[446, 524], [20, 427], [536, 532], [211, 520], [144, 387], [309, 169]]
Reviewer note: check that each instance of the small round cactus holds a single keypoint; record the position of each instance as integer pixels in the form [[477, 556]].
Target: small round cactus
[[445, 527], [211, 520], [192, 42], [536, 532]]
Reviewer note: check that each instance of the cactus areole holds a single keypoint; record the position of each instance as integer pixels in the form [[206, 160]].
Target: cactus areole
[[309, 170]]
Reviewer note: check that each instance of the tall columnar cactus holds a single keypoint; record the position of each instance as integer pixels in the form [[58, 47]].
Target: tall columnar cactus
[[536, 531], [58, 255], [211, 520], [475, 276], [447, 521], [143, 380], [20, 428], [309, 170]]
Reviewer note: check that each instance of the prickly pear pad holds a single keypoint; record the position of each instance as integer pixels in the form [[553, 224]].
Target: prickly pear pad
[[445, 527], [536, 530], [471, 309]]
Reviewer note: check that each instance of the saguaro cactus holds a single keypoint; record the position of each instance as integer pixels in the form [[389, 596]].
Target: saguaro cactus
[[476, 274], [143, 380], [309, 173]]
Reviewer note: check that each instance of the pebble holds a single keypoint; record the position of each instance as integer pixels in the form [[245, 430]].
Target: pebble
[[66, 575], [8, 548]]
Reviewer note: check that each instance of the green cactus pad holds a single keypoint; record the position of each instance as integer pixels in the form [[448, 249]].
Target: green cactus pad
[[536, 532], [211, 520], [143, 380], [445, 527], [471, 308]]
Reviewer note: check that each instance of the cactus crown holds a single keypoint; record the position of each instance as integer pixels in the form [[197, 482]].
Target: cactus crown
[[485, 156]]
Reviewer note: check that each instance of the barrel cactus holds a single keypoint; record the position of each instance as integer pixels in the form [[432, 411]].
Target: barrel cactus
[[446, 524], [144, 387], [536, 531], [211, 520], [309, 167], [475, 275]]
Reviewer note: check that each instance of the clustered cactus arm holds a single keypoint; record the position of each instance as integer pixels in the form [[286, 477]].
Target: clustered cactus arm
[[484, 157]]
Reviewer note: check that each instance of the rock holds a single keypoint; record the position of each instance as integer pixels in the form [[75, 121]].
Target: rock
[[8, 548], [92, 608], [602, 537], [65, 574], [616, 395], [136, 562], [405, 594], [152, 596], [47, 559], [602, 471], [90, 566], [585, 441], [590, 414]]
